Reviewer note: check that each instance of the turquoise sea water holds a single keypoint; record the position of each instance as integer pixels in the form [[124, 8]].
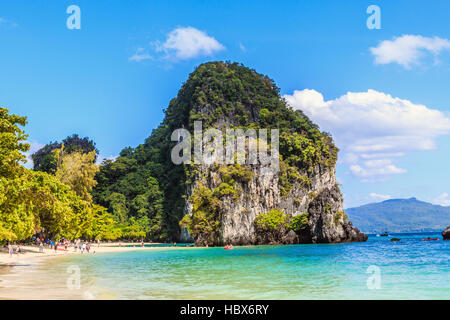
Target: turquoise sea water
[[409, 269]]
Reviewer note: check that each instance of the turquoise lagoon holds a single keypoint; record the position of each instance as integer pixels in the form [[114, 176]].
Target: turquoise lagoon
[[409, 269]]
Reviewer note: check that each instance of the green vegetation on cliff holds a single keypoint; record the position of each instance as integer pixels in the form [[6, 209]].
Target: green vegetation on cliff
[[272, 220]]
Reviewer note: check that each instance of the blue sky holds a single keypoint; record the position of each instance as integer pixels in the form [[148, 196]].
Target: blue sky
[[86, 81]]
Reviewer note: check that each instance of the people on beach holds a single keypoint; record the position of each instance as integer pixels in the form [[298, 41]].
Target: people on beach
[[77, 244], [41, 247], [10, 249]]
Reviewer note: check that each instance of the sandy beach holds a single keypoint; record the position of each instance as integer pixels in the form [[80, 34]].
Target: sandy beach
[[31, 253], [25, 275]]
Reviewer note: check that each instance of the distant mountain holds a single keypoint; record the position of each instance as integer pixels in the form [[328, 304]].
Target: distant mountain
[[400, 215]]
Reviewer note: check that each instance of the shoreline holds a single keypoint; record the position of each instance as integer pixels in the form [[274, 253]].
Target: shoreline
[[31, 253], [22, 273]]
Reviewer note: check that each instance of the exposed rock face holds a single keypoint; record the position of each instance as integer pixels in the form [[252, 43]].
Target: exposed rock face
[[223, 210], [446, 233], [322, 201]]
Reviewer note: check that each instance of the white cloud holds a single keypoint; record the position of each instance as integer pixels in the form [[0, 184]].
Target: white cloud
[[373, 128], [101, 158], [380, 196], [407, 50], [377, 167], [442, 199], [34, 146], [187, 43], [140, 55], [242, 47]]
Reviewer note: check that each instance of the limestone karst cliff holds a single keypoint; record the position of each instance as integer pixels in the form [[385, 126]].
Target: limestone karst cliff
[[223, 201], [217, 203]]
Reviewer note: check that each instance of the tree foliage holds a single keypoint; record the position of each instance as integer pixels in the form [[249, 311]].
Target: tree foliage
[[45, 159], [32, 202], [12, 143], [77, 170]]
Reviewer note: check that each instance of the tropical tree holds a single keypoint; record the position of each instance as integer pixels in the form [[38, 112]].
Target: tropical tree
[[12, 143], [32, 201], [77, 170], [45, 159]]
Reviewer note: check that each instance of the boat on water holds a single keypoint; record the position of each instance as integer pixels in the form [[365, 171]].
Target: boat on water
[[385, 234], [228, 247], [430, 239]]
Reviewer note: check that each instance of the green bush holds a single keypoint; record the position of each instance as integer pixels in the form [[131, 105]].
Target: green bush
[[272, 220], [338, 216], [299, 222]]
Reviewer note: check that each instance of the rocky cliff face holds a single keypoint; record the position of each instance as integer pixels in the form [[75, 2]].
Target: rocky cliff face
[[446, 233], [321, 201], [301, 203]]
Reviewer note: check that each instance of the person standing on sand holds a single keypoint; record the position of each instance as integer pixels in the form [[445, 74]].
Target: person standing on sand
[[10, 249], [41, 247]]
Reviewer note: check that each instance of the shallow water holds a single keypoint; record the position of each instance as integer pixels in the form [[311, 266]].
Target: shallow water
[[409, 269]]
